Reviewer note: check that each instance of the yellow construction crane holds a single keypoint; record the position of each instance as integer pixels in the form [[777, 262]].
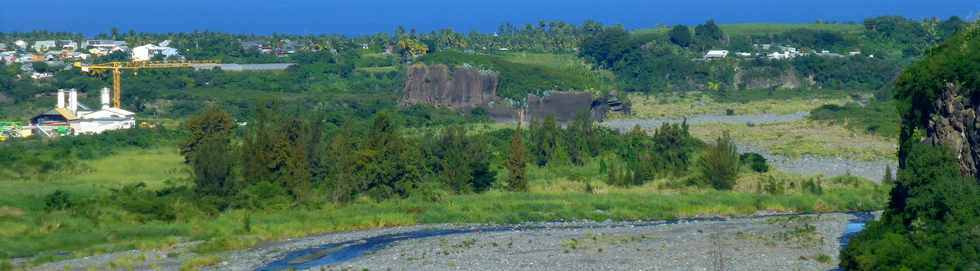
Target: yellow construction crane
[[117, 68]]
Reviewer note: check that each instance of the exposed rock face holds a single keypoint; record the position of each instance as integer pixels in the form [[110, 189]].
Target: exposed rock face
[[759, 78], [460, 88], [466, 88], [564, 106], [954, 124]]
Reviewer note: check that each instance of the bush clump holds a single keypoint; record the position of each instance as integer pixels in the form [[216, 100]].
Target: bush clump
[[755, 162], [58, 200], [719, 163]]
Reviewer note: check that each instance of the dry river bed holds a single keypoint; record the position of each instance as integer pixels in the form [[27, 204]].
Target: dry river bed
[[805, 165], [763, 242], [791, 242]]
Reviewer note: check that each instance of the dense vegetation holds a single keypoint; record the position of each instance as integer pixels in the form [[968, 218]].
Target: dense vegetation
[[38, 158], [656, 61], [933, 210]]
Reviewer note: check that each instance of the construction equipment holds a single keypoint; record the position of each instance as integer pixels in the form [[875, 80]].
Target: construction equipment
[[117, 67]]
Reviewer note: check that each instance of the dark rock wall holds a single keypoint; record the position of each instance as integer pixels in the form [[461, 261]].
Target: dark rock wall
[[460, 88], [954, 124], [564, 106], [465, 88]]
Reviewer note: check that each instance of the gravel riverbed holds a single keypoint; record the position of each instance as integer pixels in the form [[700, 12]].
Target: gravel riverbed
[[795, 242], [775, 242]]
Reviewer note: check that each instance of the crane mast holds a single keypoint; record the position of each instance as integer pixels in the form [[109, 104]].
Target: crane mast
[[118, 66]]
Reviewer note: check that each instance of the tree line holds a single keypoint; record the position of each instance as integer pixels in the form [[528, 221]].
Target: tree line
[[305, 161]]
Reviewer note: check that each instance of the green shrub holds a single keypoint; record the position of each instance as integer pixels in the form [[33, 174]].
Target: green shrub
[[58, 200], [755, 162], [813, 187], [774, 186], [264, 195], [719, 163]]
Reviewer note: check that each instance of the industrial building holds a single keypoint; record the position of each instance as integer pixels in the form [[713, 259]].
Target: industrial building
[[69, 117]]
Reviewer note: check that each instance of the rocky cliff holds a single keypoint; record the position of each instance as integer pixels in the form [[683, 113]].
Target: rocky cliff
[[438, 85], [939, 100], [769, 77], [954, 123]]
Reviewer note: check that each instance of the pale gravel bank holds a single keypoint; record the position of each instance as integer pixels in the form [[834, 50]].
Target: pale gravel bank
[[784, 242], [803, 242]]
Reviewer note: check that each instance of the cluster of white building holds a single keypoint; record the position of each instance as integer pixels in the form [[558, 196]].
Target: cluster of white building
[[21, 51], [69, 117], [768, 51]]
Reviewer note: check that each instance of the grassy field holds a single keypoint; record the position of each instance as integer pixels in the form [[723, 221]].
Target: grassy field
[[567, 62], [806, 137], [557, 193], [748, 102], [880, 118], [385, 69], [521, 73]]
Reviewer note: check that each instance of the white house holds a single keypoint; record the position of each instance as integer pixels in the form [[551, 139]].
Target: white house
[[44, 45], [716, 54], [106, 44], [69, 45], [147, 52]]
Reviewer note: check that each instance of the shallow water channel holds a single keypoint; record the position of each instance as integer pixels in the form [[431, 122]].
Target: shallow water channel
[[340, 252]]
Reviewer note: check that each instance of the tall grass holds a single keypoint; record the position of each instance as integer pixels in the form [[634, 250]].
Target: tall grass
[[557, 193]]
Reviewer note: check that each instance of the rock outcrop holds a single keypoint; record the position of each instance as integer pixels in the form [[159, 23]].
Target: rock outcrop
[[465, 88], [459, 88], [954, 124], [563, 106], [761, 78]]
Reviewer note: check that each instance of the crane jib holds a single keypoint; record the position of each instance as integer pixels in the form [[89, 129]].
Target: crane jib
[[117, 67]]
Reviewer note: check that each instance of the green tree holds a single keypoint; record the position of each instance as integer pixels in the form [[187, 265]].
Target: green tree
[[343, 162], [581, 139], [391, 165], [208, 151], [672, 144], [719, 163], [708, 35], [680, 35], [888, 178], [607, 46], [274, 151], [546, 142], [517, 162], [461, 158]]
